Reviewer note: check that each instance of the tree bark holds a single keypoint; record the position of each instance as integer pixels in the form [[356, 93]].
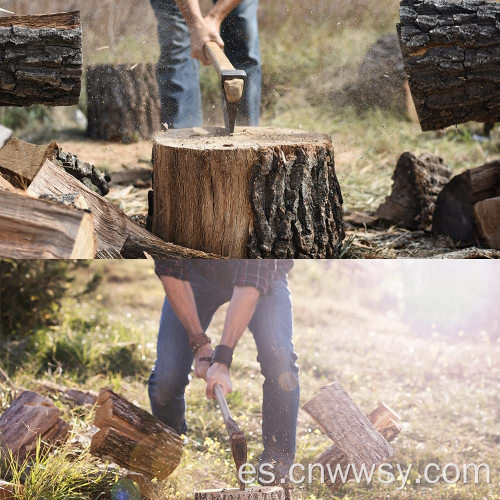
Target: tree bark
[[452, 54], [417, 183], [29, 417], [454, 212], [123, 102], [347, 427], [262, 192], [40, 60], [487, 217], [250, 493], [133, 438], [40, 229]]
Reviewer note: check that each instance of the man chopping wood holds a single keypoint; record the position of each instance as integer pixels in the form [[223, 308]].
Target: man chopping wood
[[182, 33], [259, 298]]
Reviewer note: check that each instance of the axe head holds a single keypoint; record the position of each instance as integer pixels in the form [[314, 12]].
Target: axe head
[[231, 108], [238, 448]]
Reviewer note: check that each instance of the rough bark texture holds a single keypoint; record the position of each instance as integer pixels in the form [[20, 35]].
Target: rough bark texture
[[452, 58], [454, 212], [250, 493], [487, 216], [347, 427], [123, 102], [29, 417], [387, 424], [41, 229], [262, 192], [417, 183], [40, 60], [133, 438]]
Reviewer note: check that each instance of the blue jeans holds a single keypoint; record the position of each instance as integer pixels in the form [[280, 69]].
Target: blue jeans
[[271, 326], [178, 72]]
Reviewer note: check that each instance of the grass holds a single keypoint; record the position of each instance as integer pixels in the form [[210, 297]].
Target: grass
[[352, 324]]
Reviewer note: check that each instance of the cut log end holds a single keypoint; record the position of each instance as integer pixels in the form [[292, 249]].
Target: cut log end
[[250, 493]]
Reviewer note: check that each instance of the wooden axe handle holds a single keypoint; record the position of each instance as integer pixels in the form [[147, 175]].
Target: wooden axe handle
[[221, 399], [233, 88]]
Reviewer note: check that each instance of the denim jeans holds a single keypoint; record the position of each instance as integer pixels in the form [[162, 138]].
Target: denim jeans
[[178, 72], [271, 326]]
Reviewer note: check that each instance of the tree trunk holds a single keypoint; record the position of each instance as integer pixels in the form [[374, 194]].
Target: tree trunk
[[29, 417], [454, 213], [487, 216], [250, 493], [452, 54], [123, 102], [133, 438], [40, 60], [262, 192], [417, 183], [387, 424], [347, 427], [40, 229]]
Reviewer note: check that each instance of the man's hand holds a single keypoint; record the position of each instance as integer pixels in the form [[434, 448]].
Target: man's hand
[[201, 367], [203, 31], [218, 374]]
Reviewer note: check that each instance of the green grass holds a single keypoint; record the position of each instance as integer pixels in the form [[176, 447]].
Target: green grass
[[444, 386]]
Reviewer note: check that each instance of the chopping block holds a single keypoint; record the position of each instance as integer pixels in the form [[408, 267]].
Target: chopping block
[[250, 493], [359, 439]]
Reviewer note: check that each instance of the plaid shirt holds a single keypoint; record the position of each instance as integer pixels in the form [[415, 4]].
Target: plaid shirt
[[255, 273]]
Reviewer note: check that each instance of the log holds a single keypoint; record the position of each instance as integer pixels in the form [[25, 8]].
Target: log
[[112, 226], [133, 438], [148, 489], [487, 217], [250, 493], [40, 59], [73, 396], [41, 229], [469, 253], [10, 491], [417, 184], [454, 212], [123, 102], [451, 52], [262, 192], [387, 424], [343, 422], [5, 135], [29, 417]]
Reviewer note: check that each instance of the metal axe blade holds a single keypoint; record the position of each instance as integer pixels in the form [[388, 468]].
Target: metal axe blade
[[230, 105]]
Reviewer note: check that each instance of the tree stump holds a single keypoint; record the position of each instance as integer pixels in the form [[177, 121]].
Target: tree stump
[[262, 192], [40, 59], [417, 184], [452, 54], [250, 493], [123, 102]]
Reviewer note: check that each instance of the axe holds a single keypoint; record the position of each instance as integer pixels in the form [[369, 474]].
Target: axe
[[232, 82], [236, 435]]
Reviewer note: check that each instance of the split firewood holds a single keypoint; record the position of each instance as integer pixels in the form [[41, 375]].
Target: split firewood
[[250, 493], [262, 192], [40, 59], [36, 229], [487, 216], [10, 491], [133, 438], [112, 226], [5, 135], [74, 396], [30, 417], [452, 53], [454, 213], [417, 184]]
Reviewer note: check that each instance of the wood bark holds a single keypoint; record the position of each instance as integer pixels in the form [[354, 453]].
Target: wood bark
[[387, 424], [123, 102], [417, 183], [29, 417], [73, 396], [40, 60], [250, 493], [40, 229], [343, 422], [454, 212], [112, 226], [452, 57], [133, 438], [262, 192], [487, 216]]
